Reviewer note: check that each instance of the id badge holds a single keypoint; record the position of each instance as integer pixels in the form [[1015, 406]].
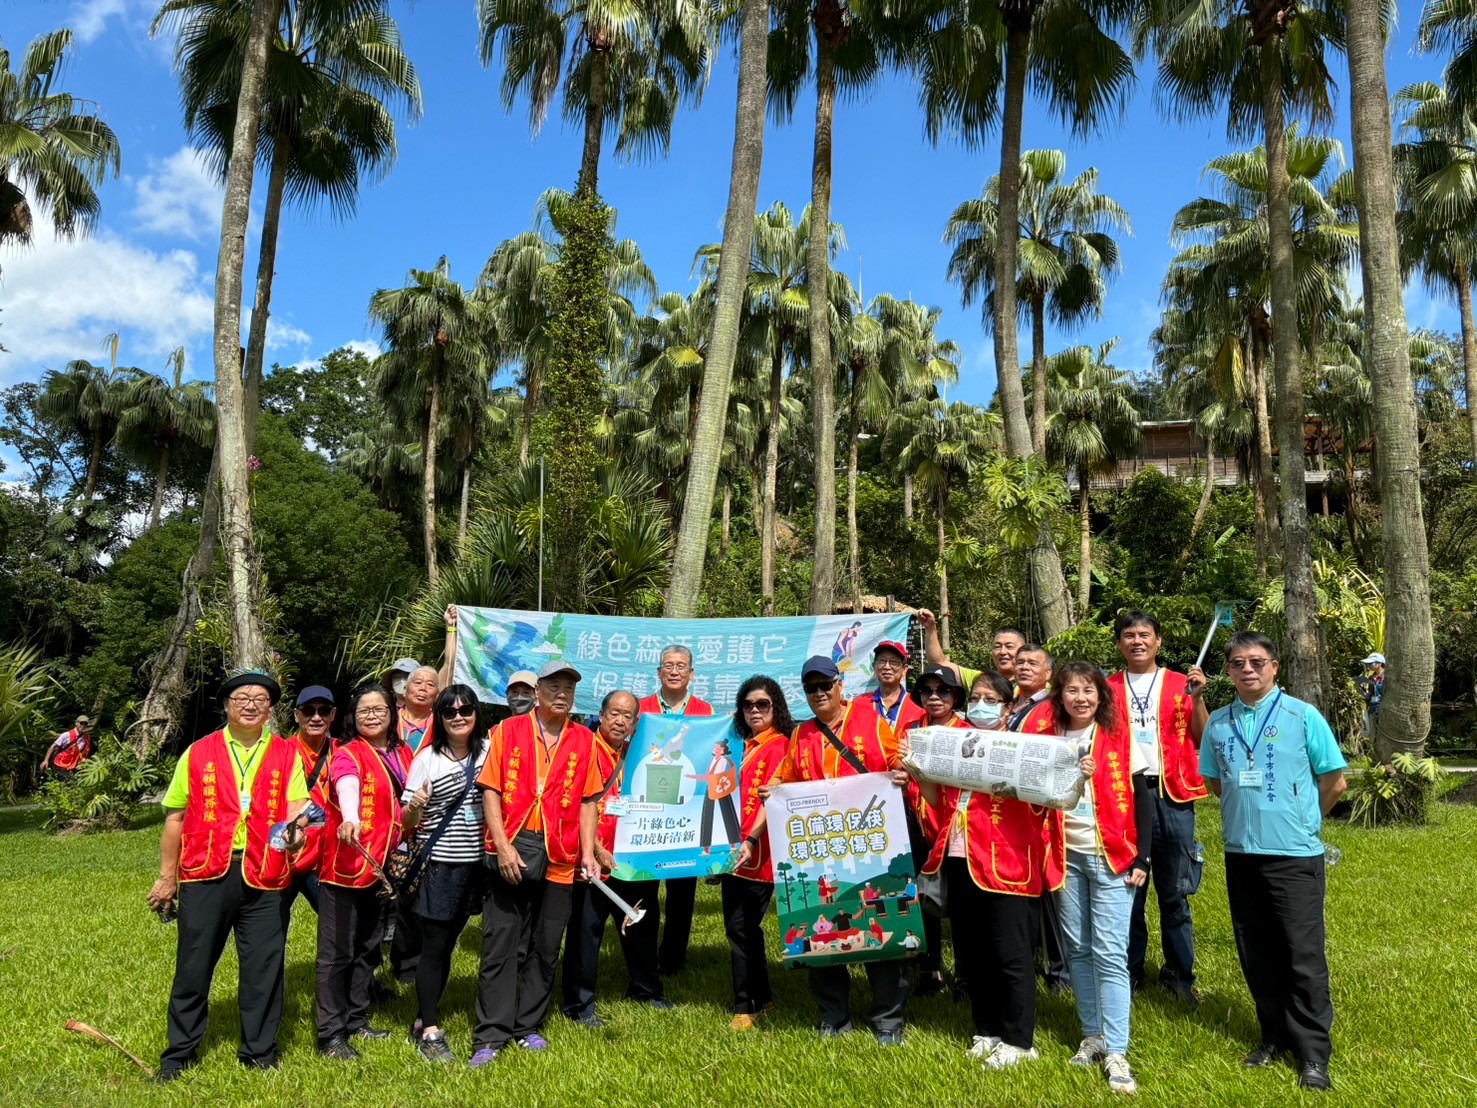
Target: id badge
[[1144, 735], [469, 813], [1250, 779], [1083, 811], [245, 803]]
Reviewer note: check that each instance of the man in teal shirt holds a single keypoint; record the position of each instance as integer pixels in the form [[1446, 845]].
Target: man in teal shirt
[[1275, 764]]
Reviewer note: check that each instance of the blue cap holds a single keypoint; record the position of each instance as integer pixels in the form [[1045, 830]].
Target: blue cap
[[315, 692], [818, 665]]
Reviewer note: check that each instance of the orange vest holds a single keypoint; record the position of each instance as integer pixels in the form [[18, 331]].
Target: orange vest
[[605, 766], [379, 820], [695, 706], [214, 810], [1004, 840], [763, 755], [1112, 808], [558, 795], [73, 755], [860, 732], [907, 712], [1179, 753], [306, 859]]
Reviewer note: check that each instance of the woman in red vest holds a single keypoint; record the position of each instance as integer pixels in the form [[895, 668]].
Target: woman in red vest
[[365, 823], [229, 789], [1099, 859], [763, 723]]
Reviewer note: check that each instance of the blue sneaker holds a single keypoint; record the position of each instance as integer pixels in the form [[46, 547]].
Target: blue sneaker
[[482, 1057], [828, 1032], [534, 1042]]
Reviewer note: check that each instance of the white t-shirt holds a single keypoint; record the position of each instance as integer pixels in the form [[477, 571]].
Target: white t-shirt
[[462, 841], [1081, 821], [1143, 692]]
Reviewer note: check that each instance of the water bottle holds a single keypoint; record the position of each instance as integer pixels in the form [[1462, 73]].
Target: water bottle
[[1332, 855]]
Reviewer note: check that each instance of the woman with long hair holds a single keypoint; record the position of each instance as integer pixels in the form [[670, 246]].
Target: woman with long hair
[[1099, 856], [762, 721], [364, 824], [450, 891]]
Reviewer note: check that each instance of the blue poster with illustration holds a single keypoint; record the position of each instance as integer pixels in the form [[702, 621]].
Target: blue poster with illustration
[[678, 803], [623, 652]]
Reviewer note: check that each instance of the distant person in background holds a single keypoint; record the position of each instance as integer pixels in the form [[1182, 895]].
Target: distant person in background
[[70, 749], [520, 692], [315, 714], [674, 698], [1006, 643], [1372, 688], [397, 677]]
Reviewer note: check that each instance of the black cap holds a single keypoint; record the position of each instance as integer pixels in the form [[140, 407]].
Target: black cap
[[249, 677], [818, 665], [948, 675]]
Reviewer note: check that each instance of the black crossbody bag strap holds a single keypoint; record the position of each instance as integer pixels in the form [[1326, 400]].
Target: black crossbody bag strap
[[847, 756]]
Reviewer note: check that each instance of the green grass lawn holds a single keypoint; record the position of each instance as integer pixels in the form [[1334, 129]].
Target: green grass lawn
[[83, 946]]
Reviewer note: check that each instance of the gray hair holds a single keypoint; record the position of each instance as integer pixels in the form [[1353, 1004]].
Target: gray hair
[[677, 648]]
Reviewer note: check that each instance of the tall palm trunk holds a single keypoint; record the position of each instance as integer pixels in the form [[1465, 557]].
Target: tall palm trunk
[[945, 617], [1048, 582], [691, 549], [531, 382], [1266, 480], [771, 477], [1084, 554], [1301, 602], [727, 517], [1038, 376], [588, 183], [428, 475], [160, 480], [94, 465], [908, 497], [1405, 714], [266, 265], [248, 639], [1469, 348], [828, 29], [1200, 508], [853, 540], [461, 523]]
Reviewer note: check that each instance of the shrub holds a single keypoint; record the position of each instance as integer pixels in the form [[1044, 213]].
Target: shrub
[[1400, 792], [107, 790]]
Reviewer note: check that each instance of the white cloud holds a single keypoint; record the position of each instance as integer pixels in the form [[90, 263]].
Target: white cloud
[[90, 18], [180, 197], [60, 298], [282, 335], [370, 350]]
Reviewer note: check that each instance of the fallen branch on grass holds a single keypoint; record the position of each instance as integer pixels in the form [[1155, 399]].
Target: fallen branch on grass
[[92, 1032]]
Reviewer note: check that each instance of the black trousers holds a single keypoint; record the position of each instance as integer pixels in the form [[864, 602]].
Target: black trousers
[[351, 926], [303, 885], [831, 987], [1053, 949], [730, 821], [1277, 916], [589, 909], [522, 929], [681, 899], [433, 969], [994, 951], [745, 903], [405, 939], [1173, 870], [932, 958], [208, 912]]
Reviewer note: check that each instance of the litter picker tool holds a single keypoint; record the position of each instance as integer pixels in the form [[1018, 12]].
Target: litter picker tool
[[93, 1033], [386, 885], [1225, 616], [292, 834], [631, 914]]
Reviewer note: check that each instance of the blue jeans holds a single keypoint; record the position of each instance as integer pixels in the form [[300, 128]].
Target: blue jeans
[[1172, 869], [1095, 905]]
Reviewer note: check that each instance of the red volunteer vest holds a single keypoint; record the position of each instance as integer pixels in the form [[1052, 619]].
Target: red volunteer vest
[[928, 818], [763, 755], [1179, 752], [1004, 839], [379, 819], [860, 732], [605, 765], [695, 706], [306, 860], [1112, 808], [558, 795], [214, 810], [72, 756], [907, 713]]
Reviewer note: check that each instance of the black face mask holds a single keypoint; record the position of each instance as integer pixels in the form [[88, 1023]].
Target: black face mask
[[520, 703]]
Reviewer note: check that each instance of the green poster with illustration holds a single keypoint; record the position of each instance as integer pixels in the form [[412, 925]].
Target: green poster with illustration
[[844, 880]]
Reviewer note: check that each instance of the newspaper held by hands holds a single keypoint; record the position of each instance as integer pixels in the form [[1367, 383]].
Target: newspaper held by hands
[[1038, 769]]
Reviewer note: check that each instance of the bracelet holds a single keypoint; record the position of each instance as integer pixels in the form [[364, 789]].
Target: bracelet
[[451, 630], [751, 840]]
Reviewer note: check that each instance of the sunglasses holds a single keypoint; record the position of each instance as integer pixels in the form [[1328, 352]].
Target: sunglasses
[[928, 692], [1257, 664], [758, 705], [819, 688], [317, 711], [461, 711]]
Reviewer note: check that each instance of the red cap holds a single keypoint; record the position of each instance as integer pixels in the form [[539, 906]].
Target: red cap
[[888, 644]]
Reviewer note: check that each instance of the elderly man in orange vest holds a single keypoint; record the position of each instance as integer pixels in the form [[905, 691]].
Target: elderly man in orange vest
[[218, 862]]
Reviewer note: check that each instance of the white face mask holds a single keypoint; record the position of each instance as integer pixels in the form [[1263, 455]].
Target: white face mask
[[985, 713], [398, 683]]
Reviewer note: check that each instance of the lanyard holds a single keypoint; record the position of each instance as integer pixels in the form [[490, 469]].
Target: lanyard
[[541, 771], [1141, 704], [1260, 728], [889, 714], [250, 761], [679, 710]]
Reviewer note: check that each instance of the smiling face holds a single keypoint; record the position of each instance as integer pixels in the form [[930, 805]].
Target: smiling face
[[420, 691], [758, 709], [372, 716], [1252, 671], [890, 669], [1139, 646], [247, 708], [675, 674], [1031, 671], [459, 720], [314, 719], [1003, 651], [1080, 699], [823, 694]]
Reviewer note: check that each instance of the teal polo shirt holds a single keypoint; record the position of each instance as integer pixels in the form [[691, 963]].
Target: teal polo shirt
[[1268, 759]]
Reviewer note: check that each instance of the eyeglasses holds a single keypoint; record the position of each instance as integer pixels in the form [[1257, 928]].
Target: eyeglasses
[[819, 688], [251, 701], [1257, 664], [461, 711], [675, 667], [758, 705], [888, 662], [317, 711], [985, 700], [371, 713], [929, 692]]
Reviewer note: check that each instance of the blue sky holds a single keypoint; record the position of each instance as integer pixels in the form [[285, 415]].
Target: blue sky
[[469, 174]]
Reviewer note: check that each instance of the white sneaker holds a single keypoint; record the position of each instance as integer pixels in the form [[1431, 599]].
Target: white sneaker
[[1091, 1052], [1120, 1077], [1004, 1055], [982, 1046]]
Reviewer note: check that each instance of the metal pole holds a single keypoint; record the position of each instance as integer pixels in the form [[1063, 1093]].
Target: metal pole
[[541, 533]]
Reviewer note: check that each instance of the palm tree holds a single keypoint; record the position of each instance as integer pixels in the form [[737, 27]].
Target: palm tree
[[1437, 174], [85, 399], [335, 69], [691, 550], [626, 66], [1255, 59], [1093, 424], [160, 417], [1067, 253], [54, 148], [439, 344], [941, 443]]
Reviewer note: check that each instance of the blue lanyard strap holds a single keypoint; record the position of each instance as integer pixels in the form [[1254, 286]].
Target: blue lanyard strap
[[1260, 727], [890, 715]]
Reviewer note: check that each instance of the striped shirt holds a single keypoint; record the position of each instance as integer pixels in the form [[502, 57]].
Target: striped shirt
[[462, 841]]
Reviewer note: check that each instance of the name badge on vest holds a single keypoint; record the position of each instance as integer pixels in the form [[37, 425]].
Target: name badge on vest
[[469, 813], [245, 802], [1250, 779], [1144, 735], [1083, 811]]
